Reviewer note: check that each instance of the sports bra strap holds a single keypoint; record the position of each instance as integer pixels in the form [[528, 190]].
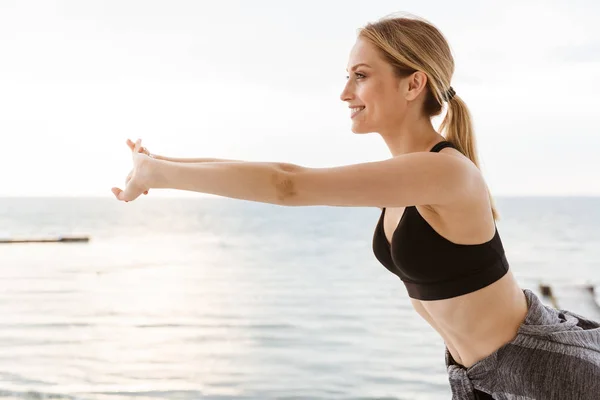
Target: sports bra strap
[[442, 145]]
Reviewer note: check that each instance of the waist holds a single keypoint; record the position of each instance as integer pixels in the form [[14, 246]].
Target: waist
[[478, 323]]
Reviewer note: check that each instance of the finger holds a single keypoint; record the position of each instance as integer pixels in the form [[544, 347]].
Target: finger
[[129, 194], [136, 148], [131, 146], [118, 193], [132, 191], [146, 192]]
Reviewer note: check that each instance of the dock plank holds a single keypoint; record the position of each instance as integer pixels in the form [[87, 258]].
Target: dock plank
[[580, 299], [61, 239]]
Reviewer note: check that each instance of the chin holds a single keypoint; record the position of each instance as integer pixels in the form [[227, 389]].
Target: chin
[[360, 129]]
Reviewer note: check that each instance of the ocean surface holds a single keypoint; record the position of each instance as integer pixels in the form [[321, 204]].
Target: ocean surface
[[212, 298]]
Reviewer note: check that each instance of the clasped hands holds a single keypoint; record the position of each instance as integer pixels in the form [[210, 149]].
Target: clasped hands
[[138, 179]]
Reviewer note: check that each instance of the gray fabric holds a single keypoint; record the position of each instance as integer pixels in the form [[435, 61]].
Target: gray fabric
[[555, 355]]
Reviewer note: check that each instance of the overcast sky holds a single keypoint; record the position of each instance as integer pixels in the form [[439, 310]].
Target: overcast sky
[[260, 81]]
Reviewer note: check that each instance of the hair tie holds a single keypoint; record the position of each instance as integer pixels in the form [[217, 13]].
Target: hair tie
[[449, 95]]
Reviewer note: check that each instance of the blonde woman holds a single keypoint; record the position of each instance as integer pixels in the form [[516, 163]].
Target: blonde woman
[[437, 230]]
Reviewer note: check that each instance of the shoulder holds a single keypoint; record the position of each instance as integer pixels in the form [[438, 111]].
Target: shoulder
[[410, 179], [474, 204], [465, 166]]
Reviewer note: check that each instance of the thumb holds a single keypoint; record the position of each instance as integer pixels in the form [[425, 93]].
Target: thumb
[[119, 194]]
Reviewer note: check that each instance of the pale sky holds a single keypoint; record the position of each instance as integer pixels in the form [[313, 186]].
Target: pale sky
[[260, 81]]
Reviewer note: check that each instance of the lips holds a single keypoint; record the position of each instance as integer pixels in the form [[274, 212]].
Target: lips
[[355, 111]]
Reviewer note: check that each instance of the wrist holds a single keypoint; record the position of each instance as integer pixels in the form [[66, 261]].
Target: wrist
[[154, 172]]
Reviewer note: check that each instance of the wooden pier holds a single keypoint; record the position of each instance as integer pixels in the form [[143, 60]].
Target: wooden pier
[[60, 239], [578, 298]]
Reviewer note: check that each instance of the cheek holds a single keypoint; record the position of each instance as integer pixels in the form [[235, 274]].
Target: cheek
[[390, 106], [392, 109], [376, 96]]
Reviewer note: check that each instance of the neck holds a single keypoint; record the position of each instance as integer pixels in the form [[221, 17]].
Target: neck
[[411, 136]]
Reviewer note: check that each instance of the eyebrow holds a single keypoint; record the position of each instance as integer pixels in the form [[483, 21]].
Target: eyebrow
[[358, 65]]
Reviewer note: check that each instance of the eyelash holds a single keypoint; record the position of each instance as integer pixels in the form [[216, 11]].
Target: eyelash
[[357, 73]]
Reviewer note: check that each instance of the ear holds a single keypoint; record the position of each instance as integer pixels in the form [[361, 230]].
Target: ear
[[417, 82]]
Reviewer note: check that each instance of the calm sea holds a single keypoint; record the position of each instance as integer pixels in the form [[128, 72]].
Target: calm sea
[[211, 298]]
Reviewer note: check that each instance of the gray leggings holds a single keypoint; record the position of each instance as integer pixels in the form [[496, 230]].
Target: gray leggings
[[555, 355]]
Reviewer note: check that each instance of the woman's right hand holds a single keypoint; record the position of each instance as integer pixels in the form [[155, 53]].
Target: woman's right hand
[[141, 150]]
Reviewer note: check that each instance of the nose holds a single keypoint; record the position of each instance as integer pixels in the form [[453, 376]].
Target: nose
[[347, 94]]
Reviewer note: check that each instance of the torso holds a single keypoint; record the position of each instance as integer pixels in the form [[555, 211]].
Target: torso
[[476, 324]]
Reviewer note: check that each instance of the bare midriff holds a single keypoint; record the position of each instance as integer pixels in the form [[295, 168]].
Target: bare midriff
[[476, 324]]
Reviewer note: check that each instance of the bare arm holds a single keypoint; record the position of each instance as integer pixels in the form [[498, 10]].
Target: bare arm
[[265, 182], [411, 179], [406, 180], [191, 160]]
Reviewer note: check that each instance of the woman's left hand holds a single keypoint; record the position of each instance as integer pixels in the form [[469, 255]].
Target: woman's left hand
[[138, 180]]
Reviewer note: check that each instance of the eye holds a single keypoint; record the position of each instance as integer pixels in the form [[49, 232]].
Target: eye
[[358, 76]]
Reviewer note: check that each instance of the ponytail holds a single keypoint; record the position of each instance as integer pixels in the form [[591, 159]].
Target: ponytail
[[458, 129]]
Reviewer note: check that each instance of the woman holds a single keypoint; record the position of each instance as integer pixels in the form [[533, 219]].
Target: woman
[[437, 228]]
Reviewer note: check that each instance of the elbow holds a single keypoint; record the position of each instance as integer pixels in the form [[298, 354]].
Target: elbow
[[284, 181]]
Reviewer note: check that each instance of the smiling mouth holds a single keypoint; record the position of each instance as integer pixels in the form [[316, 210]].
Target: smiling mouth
[[355, 111]]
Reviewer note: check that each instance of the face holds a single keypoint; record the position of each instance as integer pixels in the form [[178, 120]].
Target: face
[[373, 92]]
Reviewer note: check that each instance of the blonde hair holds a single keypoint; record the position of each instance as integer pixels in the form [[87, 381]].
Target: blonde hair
[[413, 44]]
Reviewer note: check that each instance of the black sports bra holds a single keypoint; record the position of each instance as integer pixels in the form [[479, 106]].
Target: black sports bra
[[431, 266]]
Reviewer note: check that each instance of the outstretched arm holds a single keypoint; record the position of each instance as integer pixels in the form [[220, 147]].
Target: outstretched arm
[[264, 182], [255, 181], [410, 179]]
